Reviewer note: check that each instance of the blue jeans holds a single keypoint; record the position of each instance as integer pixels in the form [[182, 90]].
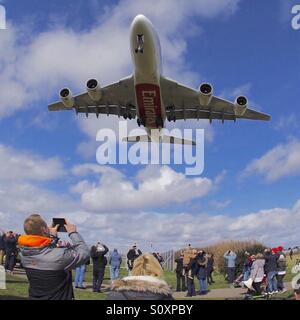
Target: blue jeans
[[114, 272], [272, 282], [79, 276], [231, 274], [202, 285], [247, 273]]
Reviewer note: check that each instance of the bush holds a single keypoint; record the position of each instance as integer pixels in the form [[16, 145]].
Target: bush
[[239, 247]]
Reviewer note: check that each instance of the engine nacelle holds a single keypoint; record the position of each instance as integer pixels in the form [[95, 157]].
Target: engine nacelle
[[67, 98], [94, 89], [205, 94], [240, 106]]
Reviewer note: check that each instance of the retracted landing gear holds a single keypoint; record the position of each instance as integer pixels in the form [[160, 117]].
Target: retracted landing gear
[[140, 43]]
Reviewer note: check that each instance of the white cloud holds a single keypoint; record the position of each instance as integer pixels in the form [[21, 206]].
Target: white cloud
[[166, 231], [287, 123], [155, 187], [114, 209], [220, 204], [18, 165], [22, 176], [281, 161]]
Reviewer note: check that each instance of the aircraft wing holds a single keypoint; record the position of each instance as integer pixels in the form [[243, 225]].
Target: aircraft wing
[[117, 99], [183, 103]]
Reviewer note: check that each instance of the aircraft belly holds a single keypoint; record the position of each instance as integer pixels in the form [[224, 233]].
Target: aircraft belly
[[149, 104]]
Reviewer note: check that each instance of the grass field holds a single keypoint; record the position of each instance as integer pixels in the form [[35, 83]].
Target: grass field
[[17, 287]]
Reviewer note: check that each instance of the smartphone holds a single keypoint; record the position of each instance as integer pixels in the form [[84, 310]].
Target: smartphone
[[61, 222]]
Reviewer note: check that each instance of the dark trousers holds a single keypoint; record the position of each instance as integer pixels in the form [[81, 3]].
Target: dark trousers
[[181, 286], [256, 287], [231, 274], [98, 276], [279, 278], [210, 279], [10, 261], [190, 287]]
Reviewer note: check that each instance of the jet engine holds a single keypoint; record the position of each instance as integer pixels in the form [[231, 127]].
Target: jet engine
[[67, 98], [240, 106], [94, 89], [205, 94]]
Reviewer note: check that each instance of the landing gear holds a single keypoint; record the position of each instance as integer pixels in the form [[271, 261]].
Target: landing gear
[[171, 118], [140, 43], [160, 123]]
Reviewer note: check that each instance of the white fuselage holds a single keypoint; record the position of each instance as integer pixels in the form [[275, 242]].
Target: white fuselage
[[146, 57]]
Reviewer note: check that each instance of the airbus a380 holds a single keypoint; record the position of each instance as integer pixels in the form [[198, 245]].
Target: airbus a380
[[150, 97]]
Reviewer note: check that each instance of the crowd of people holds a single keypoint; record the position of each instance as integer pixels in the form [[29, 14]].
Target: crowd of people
[[191, 264], [49, 262], [266, 269]]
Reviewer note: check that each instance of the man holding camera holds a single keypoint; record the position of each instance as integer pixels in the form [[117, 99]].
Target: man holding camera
[[48, 267]]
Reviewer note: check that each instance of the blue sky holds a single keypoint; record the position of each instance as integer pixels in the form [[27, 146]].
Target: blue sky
[[240, 47]]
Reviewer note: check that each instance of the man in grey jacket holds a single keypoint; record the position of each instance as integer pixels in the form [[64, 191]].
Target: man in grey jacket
[[48, 267]]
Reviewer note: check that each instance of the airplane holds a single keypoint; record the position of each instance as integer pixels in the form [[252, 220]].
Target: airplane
[[150, 97]]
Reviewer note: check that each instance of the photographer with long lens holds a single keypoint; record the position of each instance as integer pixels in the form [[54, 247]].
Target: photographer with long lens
[[47, 266]]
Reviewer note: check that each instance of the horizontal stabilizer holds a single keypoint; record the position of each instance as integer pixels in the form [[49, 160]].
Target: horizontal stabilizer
[[142, 138], [160, 139]]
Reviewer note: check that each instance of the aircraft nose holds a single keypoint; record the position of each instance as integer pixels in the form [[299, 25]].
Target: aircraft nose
[[139, 20]]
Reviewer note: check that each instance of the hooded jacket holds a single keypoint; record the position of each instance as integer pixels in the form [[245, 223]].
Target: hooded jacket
[[115, 259], [140, 288], [48, 267]]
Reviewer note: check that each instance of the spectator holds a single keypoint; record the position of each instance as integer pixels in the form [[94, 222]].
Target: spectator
[[79, 276], [144, 284], [48, 268], [230, 258], [180, 278], [291, 254], [247, 265], [10, 248], [98, 253], [281, 271], [115, 261], [296, 287], [202, 272], [2, 247], [132, 254], [160, 259], [257, 272], [271, 270], [190, 270], [210, 268]]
